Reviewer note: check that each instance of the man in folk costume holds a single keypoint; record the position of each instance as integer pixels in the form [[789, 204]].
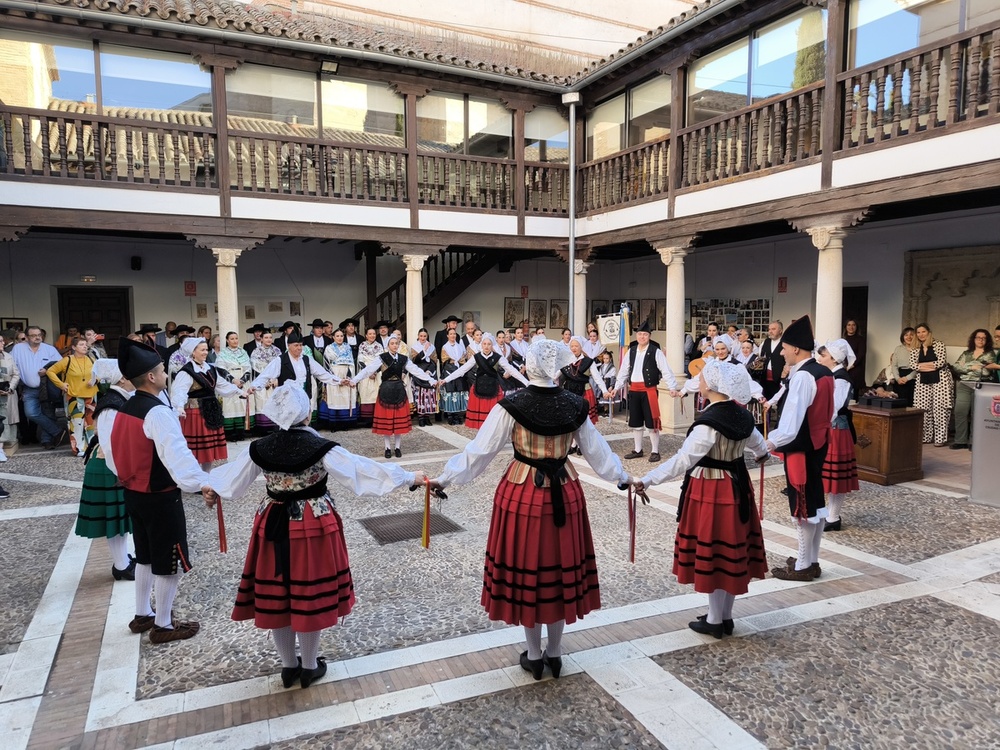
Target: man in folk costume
[[802, 434], [292, 365], [643, 367], [257, 331], [154, 466], [441, 337], [774, 361], [317, 341], [148, 333], [287, 328], [351, 338]]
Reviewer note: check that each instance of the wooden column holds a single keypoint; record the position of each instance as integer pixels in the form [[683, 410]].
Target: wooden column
[[833, 104], [411, 93]]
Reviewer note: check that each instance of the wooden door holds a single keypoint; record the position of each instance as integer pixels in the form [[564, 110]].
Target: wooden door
[[106, 309], [855, 307]]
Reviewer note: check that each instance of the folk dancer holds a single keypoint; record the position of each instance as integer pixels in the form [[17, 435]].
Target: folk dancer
[[369, 351], [257, 330], [339, 406], [236, 418], [295, 365], [485, 392], [260, 358], [424, 356], [840, 467], [350, 328], [455, 396]]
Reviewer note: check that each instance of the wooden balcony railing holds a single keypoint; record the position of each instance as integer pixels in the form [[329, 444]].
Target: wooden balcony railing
[[546, 188], [780, 130], [637, 174], [48, 143], [951, 81], [466, 181]]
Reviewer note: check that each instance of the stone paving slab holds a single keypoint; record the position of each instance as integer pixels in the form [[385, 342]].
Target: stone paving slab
[[573, 712], [29, 549], [914, 674], [27, 494], [52, 464]]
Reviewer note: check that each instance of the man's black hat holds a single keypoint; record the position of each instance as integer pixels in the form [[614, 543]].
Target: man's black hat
[[645, 327], [354, 321], [136, 358], [293, 338], [452, 319], [257, 327], [800, 334], [147, 328], [318, 323]]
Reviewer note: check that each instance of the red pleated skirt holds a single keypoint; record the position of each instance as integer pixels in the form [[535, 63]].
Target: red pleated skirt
[[392, 420], [320, 591], [479, 408], [713, 549], [206, 445], [537, 572], [840, 469], [592, 401]]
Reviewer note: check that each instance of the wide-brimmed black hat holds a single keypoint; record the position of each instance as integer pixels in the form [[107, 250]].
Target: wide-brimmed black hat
[[452, 319], [182, 328], [380, 323], [288, 324], [800, 334], [257, 327], [349, 321], [318, 323], [136, 358], [293, 338], [645, 327], [148, 328]]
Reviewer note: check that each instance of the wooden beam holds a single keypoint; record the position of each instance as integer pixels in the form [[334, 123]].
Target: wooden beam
[[833, 103]]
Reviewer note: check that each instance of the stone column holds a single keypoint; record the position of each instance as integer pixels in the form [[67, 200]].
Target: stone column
[[579, 322], [414, 263], [225, 288], [829, 240], [673, 419]]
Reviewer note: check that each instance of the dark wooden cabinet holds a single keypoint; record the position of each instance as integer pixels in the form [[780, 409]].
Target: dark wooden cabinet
[[890, 444]]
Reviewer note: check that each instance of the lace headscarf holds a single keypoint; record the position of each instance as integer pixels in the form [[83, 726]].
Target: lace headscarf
[[105, 371], [544, 361], [728, 379], [289, 405], [842, 352]]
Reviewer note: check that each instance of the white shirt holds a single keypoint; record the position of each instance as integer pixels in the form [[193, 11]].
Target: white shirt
[[273, 369], [360, 475], [30, 362], [183, 382], [661, 362], [506, 366], [376, 364], [164, 429], [841, 392], [801, 392], [106, 423], [495, 433]]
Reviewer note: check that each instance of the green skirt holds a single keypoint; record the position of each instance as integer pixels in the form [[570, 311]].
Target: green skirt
[[102, 512]]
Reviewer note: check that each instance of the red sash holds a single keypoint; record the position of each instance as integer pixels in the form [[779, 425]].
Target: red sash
[[654, 402]]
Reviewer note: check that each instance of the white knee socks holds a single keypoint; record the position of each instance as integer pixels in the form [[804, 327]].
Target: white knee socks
[[166, 589], [727, 607], [654, 438], [817, 537], [717, 607], [144, 590], [810, 535], [554, 631], [637, 439], [833, 503], [309, 648], [118, 546], [399, 440], [533, 636], [388, 442], [284, 641]]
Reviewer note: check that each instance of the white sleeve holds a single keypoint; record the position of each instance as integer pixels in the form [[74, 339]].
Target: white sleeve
[[105, 423], [691, 385], [665, 372], [755, 389], [623, 370], [841, 392], [696, 446], [224, 388], [599, 455], [179, 390], [233, 479], [469, 364], [164, 429], [512, 371], [362, 475], [418, 373], [370, 369], [757, 445], [470, 463], [801, 392], [270, 372], [320, 373]]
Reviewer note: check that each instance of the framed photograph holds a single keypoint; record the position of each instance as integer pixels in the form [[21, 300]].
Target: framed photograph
[[294, 308], [537, 313], [276, 307], [598, 307], [661, 315], [201, 310], [647, 311], [474, 315], [513, 311], [14, 324], [558, 314], [249, 312]]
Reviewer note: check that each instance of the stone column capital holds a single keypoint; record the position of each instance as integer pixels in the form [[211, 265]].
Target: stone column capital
[[415, 261], [825, 237], [580, 267], [227, 256], [672, 255]]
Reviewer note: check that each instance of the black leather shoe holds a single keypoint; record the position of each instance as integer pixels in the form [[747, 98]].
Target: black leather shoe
[[654, 457], [554, 663], [727, 625], [633, 454], [399, 453], [832, 526], [535, 666], [703, 627], [309, 676], [388, 453], [127, 574], [290, 675]]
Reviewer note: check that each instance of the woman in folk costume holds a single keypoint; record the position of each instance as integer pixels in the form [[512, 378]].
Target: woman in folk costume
[[455, 396], [840, 467], [261, 357], [607, 372], [234, 360], [297, 575], [369, 351], [576, 377], [508, 383], [425, 357], [719, 546], [540, 560], [485, 392], [392, 408], [340, 402], [194, 396], [102, 513]]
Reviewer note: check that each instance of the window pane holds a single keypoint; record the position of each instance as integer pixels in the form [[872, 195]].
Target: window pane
[[546, 136], [361, 112], [650, 118], [605, 128], [883, 28], [258, 92], [152, 81], [717, 84], [441, 123], [491, 129], [46, 72], [982, 12], [789, 54]]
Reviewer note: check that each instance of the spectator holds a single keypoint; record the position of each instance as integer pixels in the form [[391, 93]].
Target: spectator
[[10, 376], [706, 343], [215, 346], [933, 392], [205, 332], [65, 341], [774, 362], [166, 337], [900, 371], [32, 358], [72, 376], [971, 368], [995, 367], [95, 347], [854, 337]]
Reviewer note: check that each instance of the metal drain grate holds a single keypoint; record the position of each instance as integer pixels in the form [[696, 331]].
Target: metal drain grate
[[399, 527]]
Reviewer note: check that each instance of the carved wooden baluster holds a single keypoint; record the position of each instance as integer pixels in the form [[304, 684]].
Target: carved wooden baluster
[[44, 133], [850, 113], [973, 77], [880, 92], [897, 98], [916, 98], [8, 139], [264, 147], [750, 144], [934, 90], [816, 113], [864, 108], [175, 141], [63, 155], [239, 163], [366, 168], [994, 86], [954, 82], [81, 166]]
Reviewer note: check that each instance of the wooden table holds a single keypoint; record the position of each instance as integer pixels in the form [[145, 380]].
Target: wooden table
[[890, 444]]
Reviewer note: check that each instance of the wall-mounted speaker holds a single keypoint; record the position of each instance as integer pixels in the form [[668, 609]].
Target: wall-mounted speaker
[[136, 262]]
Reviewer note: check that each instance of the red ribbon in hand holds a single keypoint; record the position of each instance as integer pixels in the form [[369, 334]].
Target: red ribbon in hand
[[223, 547]]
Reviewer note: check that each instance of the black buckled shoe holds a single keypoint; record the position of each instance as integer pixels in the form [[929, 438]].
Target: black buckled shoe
[[832, 525], [125, 574], [727, 625], [654, 457], [309, 676], [399, 453], [535, 666], [706, 628], [388, 453], [290, 675], [633, 454]]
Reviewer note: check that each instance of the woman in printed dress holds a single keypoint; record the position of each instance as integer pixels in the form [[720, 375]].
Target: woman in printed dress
[[424, 356], [340, 403], [455, 395], [261, 357], [368, 351], [236, 419]]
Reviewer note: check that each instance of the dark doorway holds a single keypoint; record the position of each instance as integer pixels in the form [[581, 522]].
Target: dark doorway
[[855, 307], [106, 309]]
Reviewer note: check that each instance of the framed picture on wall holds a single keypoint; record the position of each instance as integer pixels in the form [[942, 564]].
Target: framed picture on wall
[[276, 306], [538, 312], [661, 315], [513, 311], [14, 324], [598, 307], [558, 314], [647, 311], [250, 312], [294, 308]]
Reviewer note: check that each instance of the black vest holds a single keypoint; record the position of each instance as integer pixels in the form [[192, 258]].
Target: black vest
[[576, 377], [650, 372], [487, 383], [287, 372], [803, 440], [770, 351]]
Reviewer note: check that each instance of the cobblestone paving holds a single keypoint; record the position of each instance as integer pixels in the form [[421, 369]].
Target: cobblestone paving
[[51, 464], [29, 550], [915, 674], [572, 712], [32, 495]]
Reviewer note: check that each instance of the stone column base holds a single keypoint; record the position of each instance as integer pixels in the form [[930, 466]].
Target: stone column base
[[673, 422]]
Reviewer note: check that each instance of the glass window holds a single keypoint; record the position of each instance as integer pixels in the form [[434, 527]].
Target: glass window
[[441, 123], [358, 111], [717, 83], [884, 28], [150, 80], [789, 54], [258, 92], [491, 129], [649, 111], [606, 128], [46, 72], [546, 136]]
